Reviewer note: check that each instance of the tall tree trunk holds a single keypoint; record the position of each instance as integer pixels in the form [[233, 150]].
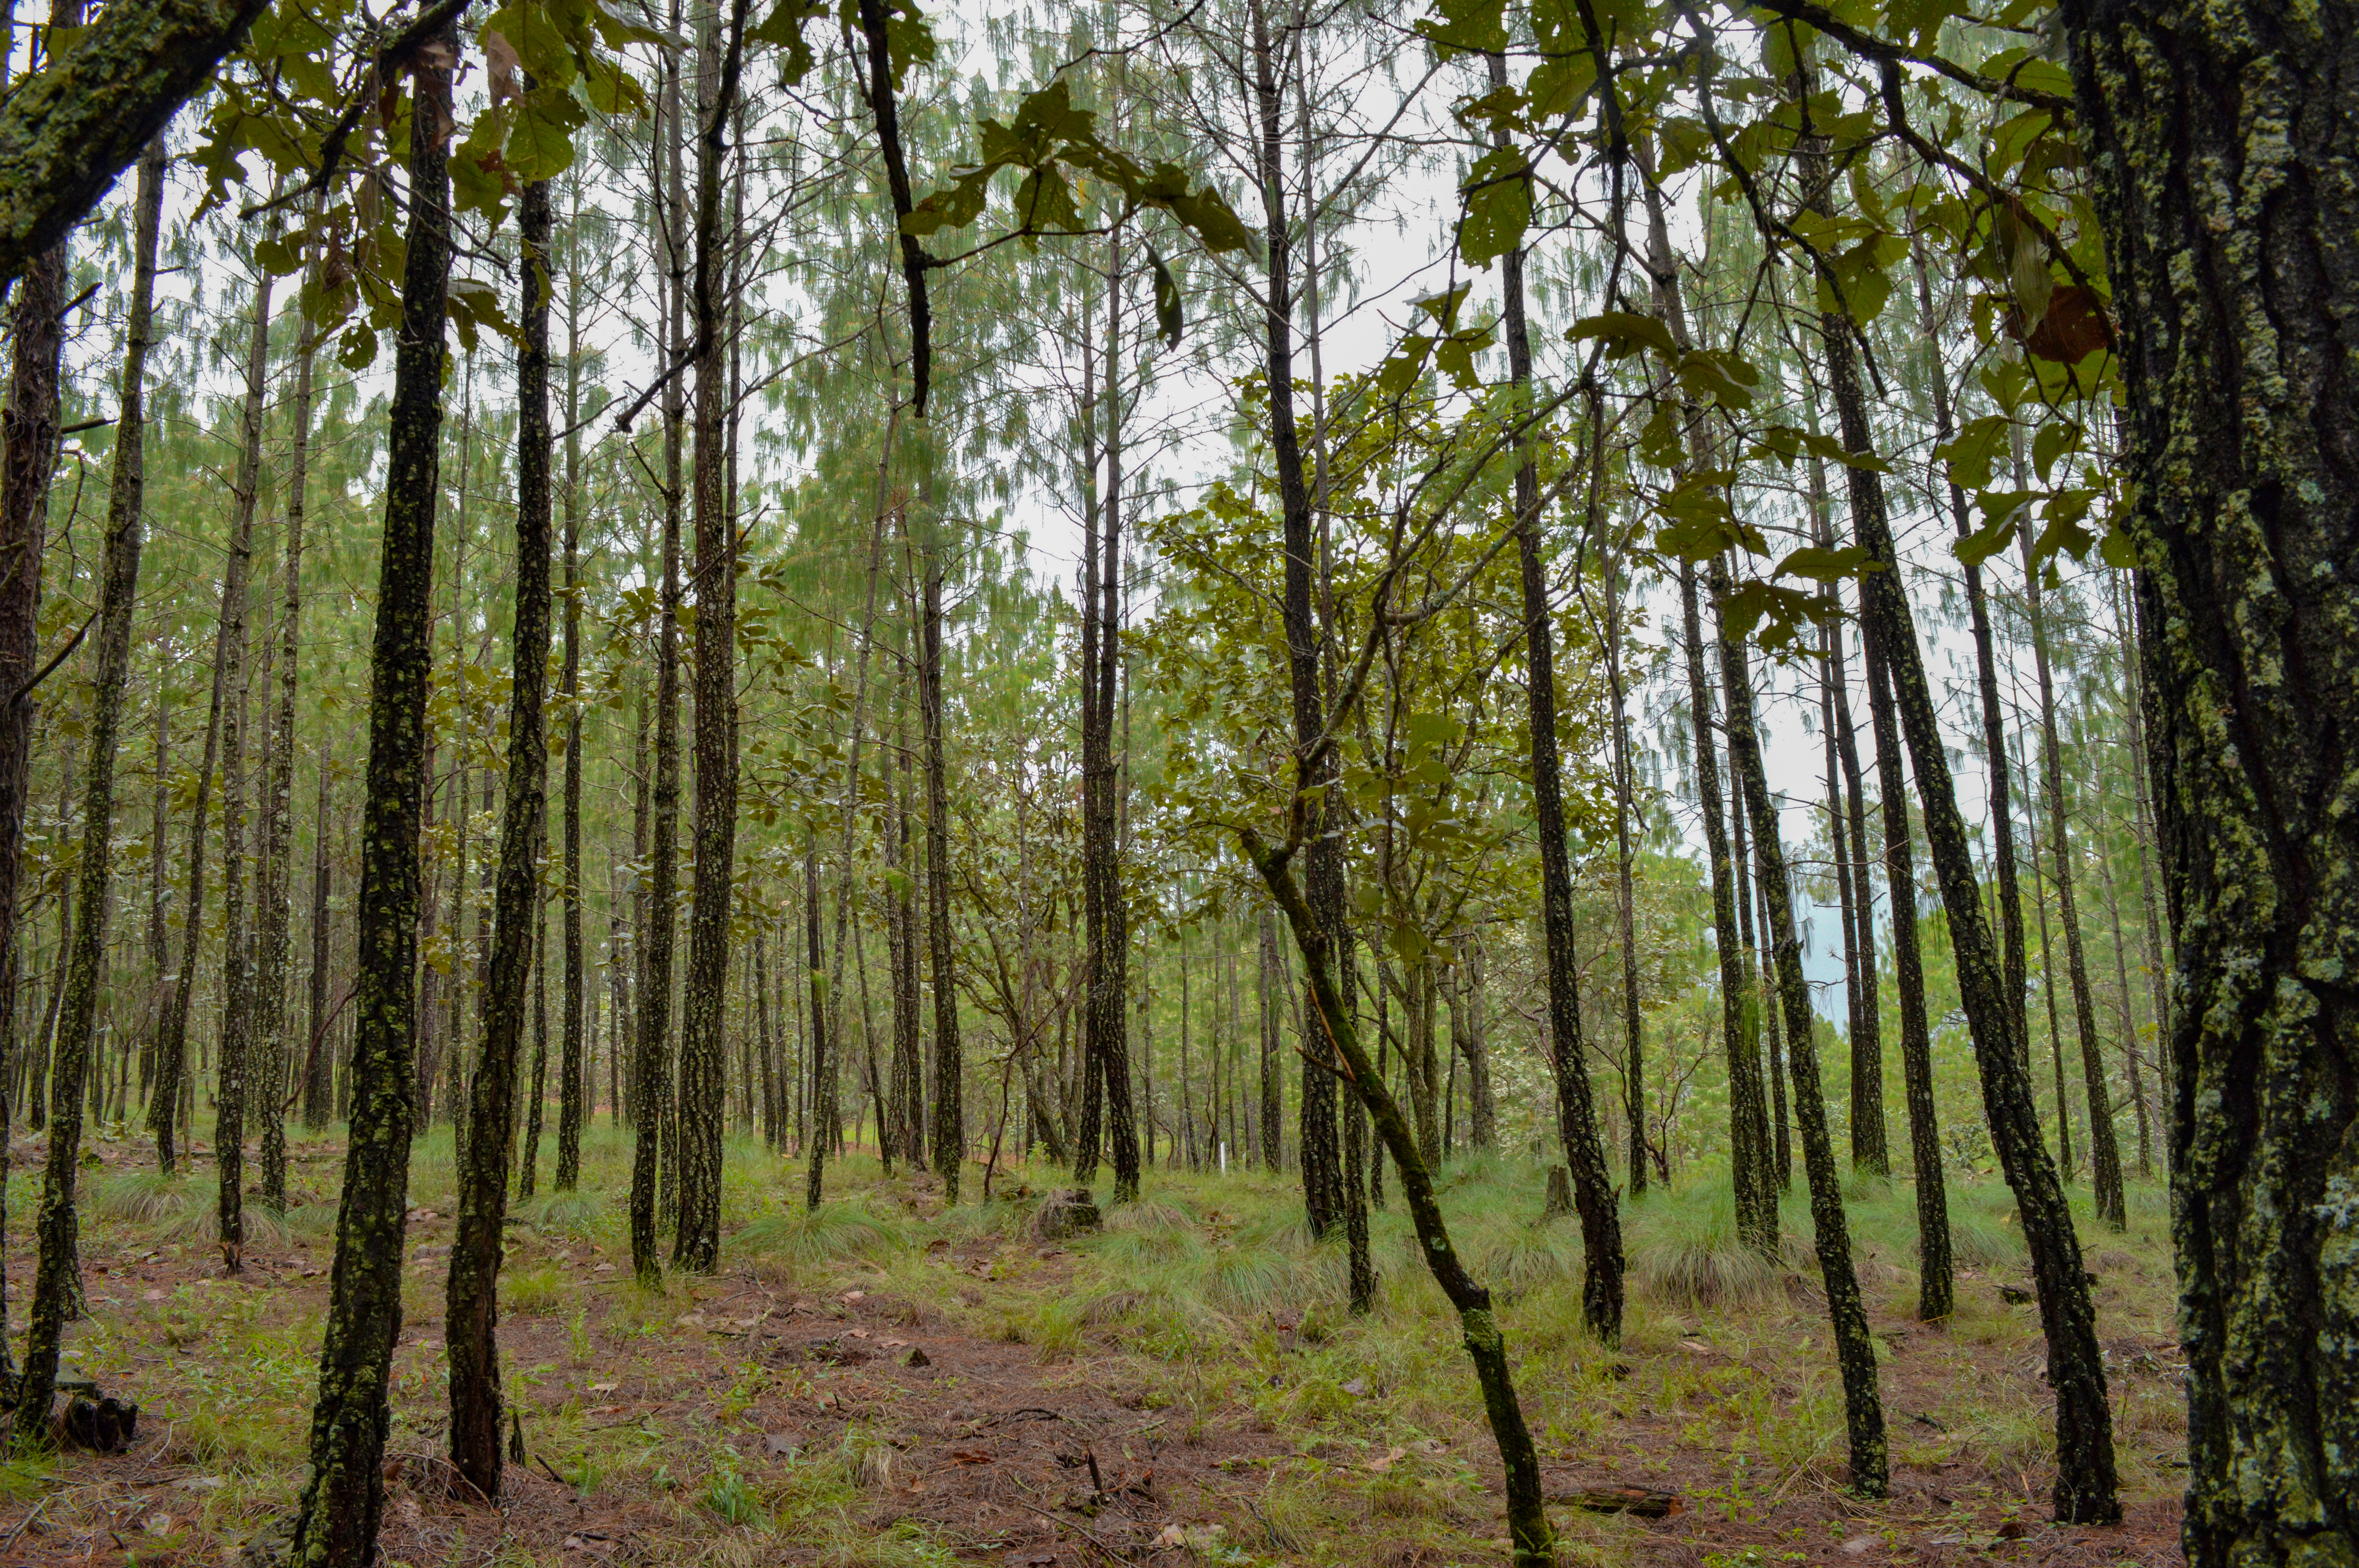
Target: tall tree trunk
[[471, 1291], [1322, 1175], [238, 954], [2104, 1151], [704, 1047], [56, 1289], [1855, 1349], [319, 1062], [1748, 1118], [651, 1080], [2084, 1489], [276, 944], [949, 1092], [336, 1525], [2225, 214], [1576, 1116], [573, 1069], [1935, 1283], [1997, 773], [2047, 982]]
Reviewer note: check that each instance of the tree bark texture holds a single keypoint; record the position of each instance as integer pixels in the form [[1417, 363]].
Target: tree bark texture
[[2221, 149], [336, 1524]]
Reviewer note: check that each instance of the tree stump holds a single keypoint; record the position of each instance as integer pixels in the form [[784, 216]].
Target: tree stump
[[1069, 1212]]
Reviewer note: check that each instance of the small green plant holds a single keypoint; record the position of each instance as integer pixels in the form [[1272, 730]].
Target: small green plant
[[728, 1495], [533, 1292]]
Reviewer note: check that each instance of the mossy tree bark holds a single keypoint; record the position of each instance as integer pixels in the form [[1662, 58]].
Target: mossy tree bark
[[68, 130], [2221, 153], [571, 1091], [2084, 1489], [471, 1291], [54, 1291], [336, 1523], [1847, 1315]]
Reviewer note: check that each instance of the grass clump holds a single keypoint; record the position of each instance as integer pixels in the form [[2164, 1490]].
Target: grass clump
[[827, 1234], [1683, 1248]]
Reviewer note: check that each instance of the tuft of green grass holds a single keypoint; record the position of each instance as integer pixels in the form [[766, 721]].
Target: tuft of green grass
[[577, 1214], [532, 1292], [829, 1234], [147, 1198], [1683, 1248]]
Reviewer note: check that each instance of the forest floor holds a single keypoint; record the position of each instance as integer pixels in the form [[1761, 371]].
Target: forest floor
[[894, 1383]]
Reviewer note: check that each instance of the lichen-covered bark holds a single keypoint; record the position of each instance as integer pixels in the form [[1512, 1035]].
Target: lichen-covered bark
[[67, 131], [950, 1081], [571, 1091], [2225, 160], [470, 1294], [336, 1522], [55, 1292]]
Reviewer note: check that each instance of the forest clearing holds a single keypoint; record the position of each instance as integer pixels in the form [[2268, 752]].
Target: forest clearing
[[1527, 782], [1194, 1348]]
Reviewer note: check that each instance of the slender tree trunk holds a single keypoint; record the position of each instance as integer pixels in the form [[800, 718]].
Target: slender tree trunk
[[55, 1289], [1996, 771], [2105, 1151], [651, 1078], [343, 1499], [1576, 1116], [572, 1068], [949, 1092], [470, 1296], [277, 943], [1935, 1283], [237, 955], [1855, 1349], [2084, 1490], [704, 1045]]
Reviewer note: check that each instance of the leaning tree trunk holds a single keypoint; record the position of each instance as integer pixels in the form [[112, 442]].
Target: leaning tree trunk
[[336, 1524], [2225, 215], [471, 1294], [1576, 1115], [55, 1289], [1528, 1526]]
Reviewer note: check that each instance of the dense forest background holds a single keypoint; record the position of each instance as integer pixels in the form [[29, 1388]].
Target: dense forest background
[[998, 607]]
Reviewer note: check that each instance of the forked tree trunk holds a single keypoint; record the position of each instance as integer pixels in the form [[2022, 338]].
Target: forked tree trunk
[[343, 1499]]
